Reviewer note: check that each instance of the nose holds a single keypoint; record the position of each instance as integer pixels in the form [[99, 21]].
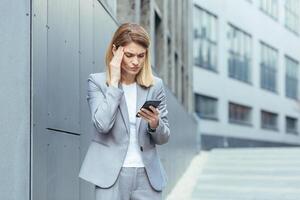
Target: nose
[[135, 60]]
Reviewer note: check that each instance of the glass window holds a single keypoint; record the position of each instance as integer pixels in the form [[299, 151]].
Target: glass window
[[268, 68], [292, 10], [270, 7], [239, 60], [291, 125], [269, 120], [239, 114], [205, 106], [205, 39], [291, 78]]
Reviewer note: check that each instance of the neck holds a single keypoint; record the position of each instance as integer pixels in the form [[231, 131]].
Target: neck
[[127, 78]]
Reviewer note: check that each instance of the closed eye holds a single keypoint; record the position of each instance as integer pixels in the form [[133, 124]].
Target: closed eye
[[129, 55]]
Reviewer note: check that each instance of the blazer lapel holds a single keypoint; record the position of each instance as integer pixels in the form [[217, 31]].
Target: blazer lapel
[[142, 93], [124, 110]]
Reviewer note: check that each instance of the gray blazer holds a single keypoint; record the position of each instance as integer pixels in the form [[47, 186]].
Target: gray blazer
[[106, 153]]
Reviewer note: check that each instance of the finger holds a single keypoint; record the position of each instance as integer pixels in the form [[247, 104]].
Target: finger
[[119, 54], [148, 119], [116, 60], [146, 116], [120, 50], [150, 113], [143, 117], [154, 110]]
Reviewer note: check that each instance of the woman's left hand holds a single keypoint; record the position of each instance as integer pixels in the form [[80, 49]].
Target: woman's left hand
[[152, 117]]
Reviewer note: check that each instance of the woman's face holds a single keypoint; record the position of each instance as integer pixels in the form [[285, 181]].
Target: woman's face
[[133, 58]]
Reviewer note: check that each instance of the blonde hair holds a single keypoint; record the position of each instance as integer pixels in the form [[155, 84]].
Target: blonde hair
[[125, 34]]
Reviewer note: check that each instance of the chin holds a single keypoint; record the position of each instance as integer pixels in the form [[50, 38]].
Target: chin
[[134, 73]]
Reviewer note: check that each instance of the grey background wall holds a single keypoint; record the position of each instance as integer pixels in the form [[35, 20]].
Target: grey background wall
[[45, 125], [14, 99]]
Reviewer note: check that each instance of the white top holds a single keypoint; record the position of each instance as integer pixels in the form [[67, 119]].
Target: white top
[[133, 157]]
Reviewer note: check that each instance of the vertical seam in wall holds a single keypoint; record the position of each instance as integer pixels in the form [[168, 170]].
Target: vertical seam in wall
[[30, 100]]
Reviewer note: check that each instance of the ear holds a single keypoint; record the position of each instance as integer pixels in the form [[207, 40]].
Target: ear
[[114, 49]]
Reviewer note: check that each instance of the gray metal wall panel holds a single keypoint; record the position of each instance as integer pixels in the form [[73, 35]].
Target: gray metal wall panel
[[86, 66], [63, 65], [62, 166], [39, 109], [14, 99], [55, 162]]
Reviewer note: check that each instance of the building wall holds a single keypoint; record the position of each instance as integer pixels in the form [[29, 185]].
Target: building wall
[[248, 16], [15, 99]]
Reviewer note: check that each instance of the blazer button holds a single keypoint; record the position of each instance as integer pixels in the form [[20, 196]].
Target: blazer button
[[141, 148]]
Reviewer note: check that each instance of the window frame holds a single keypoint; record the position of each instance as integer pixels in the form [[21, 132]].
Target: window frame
[[293, 79], [215, 116], [240, 106], [267, 127], [272, 53], [210, 46], [244, 41]]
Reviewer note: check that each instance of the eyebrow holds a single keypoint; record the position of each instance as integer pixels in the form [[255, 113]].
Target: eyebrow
[[133, 53]]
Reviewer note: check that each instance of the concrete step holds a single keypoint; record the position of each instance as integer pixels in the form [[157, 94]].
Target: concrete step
[[262, 155], [255, 181], [250, 174], [250, 151], [225, 192], [255, 149], [254, 162], [236, 170]]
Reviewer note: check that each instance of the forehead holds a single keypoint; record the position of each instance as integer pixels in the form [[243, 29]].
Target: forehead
[[134, 48]]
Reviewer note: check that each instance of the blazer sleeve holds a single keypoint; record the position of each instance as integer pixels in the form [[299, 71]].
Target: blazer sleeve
[[162, 132], [103, 106]]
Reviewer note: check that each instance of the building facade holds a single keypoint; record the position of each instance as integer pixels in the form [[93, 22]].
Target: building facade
[[246, 72]]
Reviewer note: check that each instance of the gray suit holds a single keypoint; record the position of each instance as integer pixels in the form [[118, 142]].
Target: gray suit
[[107, 151]]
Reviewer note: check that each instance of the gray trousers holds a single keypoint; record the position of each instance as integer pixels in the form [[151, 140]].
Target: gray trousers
[[132, 184]]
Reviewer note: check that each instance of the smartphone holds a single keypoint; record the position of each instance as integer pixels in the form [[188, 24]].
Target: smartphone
[[147, 105]]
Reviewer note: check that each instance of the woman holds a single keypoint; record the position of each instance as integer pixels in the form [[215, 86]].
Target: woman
[[122, 159]]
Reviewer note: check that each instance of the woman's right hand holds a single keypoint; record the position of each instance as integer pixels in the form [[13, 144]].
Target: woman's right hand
[[115, 65]]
